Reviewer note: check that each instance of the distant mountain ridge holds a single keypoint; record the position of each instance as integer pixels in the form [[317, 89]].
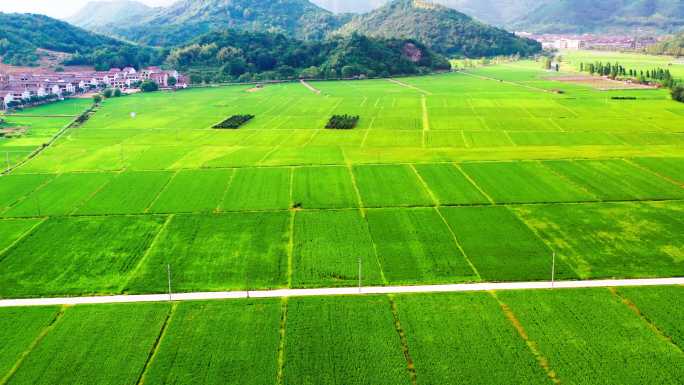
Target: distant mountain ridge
[[617, 16], [442, 29], [97, 15]]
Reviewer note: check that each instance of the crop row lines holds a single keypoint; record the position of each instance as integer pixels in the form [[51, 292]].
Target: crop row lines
[[394, 306]]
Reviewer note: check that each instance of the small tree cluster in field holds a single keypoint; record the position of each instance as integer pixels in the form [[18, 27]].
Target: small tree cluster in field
[[235, 121], [677, 93], [342, 122]]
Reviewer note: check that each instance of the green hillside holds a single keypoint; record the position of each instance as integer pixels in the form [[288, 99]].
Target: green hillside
[[246, 56], [185, 20], [443, 29], [23, 36], [572, 16]]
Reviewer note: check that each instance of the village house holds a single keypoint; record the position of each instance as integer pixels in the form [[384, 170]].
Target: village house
[[27, 88]]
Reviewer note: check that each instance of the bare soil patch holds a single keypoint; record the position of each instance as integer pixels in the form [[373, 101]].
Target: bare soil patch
[[601, 83]]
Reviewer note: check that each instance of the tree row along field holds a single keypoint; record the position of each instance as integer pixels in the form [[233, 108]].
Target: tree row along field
[[587, 336]]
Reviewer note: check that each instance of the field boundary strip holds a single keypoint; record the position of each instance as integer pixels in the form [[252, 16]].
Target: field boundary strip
[[155, 348], [532, 345], [400, 83], [344, 291]]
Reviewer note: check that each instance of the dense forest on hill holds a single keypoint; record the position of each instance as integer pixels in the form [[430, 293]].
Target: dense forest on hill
[[443, 29], [186, 20], [245, 56], [21, 35]]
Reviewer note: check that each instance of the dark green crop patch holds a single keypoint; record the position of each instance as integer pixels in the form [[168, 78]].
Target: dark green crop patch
[[342, 122], [235, 121]]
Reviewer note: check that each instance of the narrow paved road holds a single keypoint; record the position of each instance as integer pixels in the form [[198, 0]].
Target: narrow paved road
[[456, 288]]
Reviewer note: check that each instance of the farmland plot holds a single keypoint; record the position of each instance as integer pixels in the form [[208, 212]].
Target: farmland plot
[[500, 246], [662, 306], [390, 186], [193, 191], [414, 245], [13, 229], [635, 240], [327, 248], [101, 344], [259, 189], [15, 187], [76, 256], [324, 187], [129, 193], [465, 339], [217, 252], [219, 343], [61, 196], [617, 180], [590, 337], [19, 328], [672, 168], [449, 185], [342, 340], [524, 182]]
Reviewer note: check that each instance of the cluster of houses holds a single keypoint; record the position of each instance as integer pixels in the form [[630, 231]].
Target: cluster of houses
[[587, 41], [19, 89]]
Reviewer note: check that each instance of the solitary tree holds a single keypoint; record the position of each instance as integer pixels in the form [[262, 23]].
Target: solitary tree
[[117, 92]]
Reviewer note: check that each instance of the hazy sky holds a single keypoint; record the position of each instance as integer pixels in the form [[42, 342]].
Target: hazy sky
[[57, 8]]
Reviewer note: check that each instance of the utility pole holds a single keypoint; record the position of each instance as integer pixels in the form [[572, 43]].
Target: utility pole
[[553, 271], [168, 275], [359, 275]]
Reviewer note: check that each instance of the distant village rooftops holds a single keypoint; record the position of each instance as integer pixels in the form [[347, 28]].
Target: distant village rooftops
[[588, 41], [23, 88]]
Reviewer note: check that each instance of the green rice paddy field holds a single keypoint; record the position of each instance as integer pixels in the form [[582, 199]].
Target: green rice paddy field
[[586, 336], [479, 176], [448, 178]]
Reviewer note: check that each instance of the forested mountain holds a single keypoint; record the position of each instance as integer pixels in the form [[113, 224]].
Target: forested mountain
[[98, 15], [23, 35], [238, 55], [443, 29], [625, 16], [673, 46], [187, 19], [497, 12]]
